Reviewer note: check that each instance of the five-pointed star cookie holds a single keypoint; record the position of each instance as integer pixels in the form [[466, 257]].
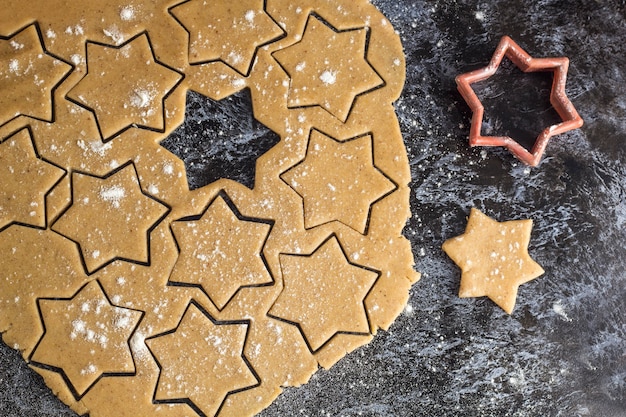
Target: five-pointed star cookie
[[25, 180], [558, 98], [324, 293], [28, 76], [493, 258], [328, 68], [225, 30], [338, 181], [221, 252], [86, 337], [125, 86], [110, 218], [201, 362]]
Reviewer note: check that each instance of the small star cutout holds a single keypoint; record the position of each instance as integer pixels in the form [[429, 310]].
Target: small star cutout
[[558, 99], [221, 252], [86, 338], [228, 31], [110, 218], [338, 73], [28, 76], [125, 86], [25, 180], [338, 181], [324, 294], [201, 362], [493, 258]]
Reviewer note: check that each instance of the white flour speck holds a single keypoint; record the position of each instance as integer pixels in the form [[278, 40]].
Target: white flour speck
[[557, 307], [14, 66], [127, 13], [329, 77], [113, 195]]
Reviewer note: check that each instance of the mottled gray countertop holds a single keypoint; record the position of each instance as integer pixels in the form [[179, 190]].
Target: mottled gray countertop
[[563, 350]]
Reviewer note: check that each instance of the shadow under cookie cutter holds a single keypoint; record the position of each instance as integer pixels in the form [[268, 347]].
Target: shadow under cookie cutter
[[558, 98]]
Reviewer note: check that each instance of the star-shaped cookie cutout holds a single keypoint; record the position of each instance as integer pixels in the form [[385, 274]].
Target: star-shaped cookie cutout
[[125, 86], [493, 258], [86, 338], [328, 68], [221, 252], [324, 294], [227, 31], [110, 218], [28, 76], [201, 362], [338, 181], [25, 180], [558, 98]]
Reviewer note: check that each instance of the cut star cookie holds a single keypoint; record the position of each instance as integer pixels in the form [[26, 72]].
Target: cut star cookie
[[28, 76], [164, 258], [493, 258]]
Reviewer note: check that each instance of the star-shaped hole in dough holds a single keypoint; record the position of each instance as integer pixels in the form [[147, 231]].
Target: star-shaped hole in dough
[[25, 180], [338, 181], [324, 294], [493, 258], [86, 338], [125, 86], [28, 76], [328, 68], [110, 218], [202, 362], [227, 31], [221, 252]]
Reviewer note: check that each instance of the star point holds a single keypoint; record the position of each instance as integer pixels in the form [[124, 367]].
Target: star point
[[25, 180], [493, 257], [558, 98]]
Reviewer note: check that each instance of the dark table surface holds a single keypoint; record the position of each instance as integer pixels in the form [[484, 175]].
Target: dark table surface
[[563, 350]]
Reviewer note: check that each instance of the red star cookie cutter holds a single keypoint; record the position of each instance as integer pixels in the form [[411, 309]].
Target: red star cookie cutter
[[564, 107]]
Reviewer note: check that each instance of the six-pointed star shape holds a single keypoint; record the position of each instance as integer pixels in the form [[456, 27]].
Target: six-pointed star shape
[[125, 86], [206, 364], [220, 139], [229, 31], [324, 294], [85, 337], [110, 218], [328, 68], [493, 258], [28, 76], [564, 107], [221, 252], [25, 180], [338, 181]]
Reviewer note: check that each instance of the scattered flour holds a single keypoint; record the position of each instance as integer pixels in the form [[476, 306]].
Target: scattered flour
[[127, 13], [557, 307], [329, 77], [250, 16], [113, 195]]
